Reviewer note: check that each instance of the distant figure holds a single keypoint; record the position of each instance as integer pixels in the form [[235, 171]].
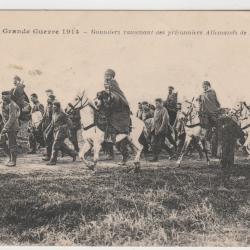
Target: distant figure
[[171, 104], [147, 112], [60, 125], [10, 114], [209, 113], [49, 92], [35, 132]]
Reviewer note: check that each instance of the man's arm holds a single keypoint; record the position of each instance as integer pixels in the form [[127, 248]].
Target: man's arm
[[41, 109], [214, 96], [12, 118]]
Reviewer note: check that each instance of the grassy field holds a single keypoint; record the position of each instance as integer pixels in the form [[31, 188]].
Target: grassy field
[[194, 205]]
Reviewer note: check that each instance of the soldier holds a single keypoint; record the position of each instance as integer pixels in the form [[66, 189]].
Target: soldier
[[46, 121], [49, 92], [3, 138], [119, 115], [209, 113], [19, 96], [147, 112], [35, 131], [171, 105], [228, 133], [159, 129], [10, 113], [60, 125], [179, 127], [75, 117]]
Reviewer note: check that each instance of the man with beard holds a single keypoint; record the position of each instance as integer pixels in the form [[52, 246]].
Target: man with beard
[[35, 132], [10, 113], [60, 125]]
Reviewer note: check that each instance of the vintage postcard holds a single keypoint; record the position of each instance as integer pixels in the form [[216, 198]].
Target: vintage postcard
[[125, 128]]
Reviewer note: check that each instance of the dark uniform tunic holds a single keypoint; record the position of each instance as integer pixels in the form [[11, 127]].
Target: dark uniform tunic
[[210, 108], [160, 130], [228, 133], [119, 116], [171, 105], [10, 114], [19, 96], [75, 118], [47, 132]]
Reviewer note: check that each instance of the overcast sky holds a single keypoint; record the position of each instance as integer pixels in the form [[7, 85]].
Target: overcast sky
[[145, 65]]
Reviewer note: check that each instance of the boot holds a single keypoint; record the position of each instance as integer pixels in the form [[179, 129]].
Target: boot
[[32, 151], [48, 154], [155, 159], [70, 152], [76, 147], [156, 152], [122, 147], [53, 158], [12, 162], [6, 149]]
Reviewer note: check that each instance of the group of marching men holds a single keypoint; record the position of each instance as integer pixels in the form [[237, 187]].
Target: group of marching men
[[166, 117], [163, 120], [54, 126]]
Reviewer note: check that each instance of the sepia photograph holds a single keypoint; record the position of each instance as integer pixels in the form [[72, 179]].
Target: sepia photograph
[[125, 128]]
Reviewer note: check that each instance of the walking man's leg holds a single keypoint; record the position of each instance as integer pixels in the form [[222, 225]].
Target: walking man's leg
[[32, 143], [12, 143]]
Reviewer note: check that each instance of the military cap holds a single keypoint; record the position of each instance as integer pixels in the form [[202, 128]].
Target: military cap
[[52, 97], [34, 95], [56, 103], [49, 90], [171, 87], [144, 103], [158, 100], [110, 72], [17, 78], [6, 93], [207, 83]]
